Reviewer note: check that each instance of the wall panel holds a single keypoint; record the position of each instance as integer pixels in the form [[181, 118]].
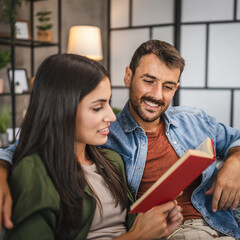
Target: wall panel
[[164, 34], [193, 50], [119, 13], [214, 102], [207, 10], [123, 45], [119, 97], [150, 12], [224, 52]]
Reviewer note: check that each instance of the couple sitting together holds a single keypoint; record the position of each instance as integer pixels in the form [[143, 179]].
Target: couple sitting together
[[64, 186]]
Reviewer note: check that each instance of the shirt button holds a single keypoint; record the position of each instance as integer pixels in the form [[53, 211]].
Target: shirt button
[[144, 145], [174, 142], [139, 168]]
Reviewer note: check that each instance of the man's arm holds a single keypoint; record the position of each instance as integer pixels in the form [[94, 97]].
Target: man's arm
[[226, 185], [5, 196]]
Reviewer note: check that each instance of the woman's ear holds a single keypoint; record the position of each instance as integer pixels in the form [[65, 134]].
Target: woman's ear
[[128, 77]]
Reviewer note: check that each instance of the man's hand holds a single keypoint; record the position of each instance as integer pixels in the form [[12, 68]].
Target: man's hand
[[226, 185], [5, 197]]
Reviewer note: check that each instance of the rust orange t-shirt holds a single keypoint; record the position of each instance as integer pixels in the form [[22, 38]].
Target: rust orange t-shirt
[[160, 157]]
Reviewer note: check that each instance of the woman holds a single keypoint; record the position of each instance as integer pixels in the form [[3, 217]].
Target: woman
[[63, 186]]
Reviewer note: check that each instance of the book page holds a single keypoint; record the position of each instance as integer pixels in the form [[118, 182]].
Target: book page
[[206, 146]]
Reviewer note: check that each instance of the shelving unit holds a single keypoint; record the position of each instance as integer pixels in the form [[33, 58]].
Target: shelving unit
[[32, 44]]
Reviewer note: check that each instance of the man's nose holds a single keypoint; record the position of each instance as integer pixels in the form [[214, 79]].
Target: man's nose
[[157, 91]]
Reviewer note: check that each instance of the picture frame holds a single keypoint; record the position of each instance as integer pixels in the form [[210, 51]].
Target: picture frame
[[20, 76], [23, 30]]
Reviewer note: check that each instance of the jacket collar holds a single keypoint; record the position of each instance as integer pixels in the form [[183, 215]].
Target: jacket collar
[[126, 119]]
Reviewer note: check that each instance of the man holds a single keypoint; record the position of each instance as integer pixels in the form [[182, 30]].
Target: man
[[150, 136]]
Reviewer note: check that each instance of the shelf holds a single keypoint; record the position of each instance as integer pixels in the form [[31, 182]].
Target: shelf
[[5, 39], [17, 94], [26, 43]]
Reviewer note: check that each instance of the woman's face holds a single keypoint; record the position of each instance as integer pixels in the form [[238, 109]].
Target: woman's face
[[94, 115]]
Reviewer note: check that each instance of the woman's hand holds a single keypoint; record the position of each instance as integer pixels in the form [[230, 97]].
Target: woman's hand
[[174, 218], [155, 223]]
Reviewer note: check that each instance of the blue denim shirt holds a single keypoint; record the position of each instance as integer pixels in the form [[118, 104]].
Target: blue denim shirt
[[186, 128]]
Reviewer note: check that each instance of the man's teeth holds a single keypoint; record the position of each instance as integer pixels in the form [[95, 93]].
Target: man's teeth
[[151, 104], [103, 130]]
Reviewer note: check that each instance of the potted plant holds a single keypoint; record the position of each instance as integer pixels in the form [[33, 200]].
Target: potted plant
[[5, 116], [44, 33], [5, 58], [9, 13]]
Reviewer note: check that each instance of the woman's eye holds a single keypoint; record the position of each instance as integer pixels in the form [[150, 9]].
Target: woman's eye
[[97, 109]]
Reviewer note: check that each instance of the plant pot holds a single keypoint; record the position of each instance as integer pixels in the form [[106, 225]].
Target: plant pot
[[1, 85], [3, 139], [45, 36]]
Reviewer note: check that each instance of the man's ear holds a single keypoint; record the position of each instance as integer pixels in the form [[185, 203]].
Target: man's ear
[[178, 84], [128, 77]]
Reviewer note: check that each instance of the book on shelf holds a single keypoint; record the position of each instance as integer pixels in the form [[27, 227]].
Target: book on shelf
[[177, 177]]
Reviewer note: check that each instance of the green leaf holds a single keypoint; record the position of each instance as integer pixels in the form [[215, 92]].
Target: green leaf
[[43, 13], [5, 115], [5, 58]]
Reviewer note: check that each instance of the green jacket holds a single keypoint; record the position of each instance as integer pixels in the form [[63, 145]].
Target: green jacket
[[36, 202]]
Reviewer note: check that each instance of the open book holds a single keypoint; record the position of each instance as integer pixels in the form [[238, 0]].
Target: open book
[[177, 177]]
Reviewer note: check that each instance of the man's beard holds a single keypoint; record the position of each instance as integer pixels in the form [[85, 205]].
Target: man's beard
[[137, 108]]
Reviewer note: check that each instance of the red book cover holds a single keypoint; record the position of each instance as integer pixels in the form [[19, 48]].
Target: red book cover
[[177, 177]]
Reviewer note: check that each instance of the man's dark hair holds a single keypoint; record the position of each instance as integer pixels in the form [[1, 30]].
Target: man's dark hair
[[163, 50]]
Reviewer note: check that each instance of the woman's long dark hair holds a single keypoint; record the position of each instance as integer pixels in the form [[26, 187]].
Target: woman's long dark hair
[[49, 130]]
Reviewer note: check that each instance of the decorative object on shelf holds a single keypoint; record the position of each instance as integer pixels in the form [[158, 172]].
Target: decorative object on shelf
[[44, 33], [18, 88], [86, 41], [30, 82], [9, 13], [23, 30], [5, 58], [20, 76], [5, 115]]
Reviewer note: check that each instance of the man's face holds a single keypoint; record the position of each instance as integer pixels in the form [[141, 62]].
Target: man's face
[[151, 89]]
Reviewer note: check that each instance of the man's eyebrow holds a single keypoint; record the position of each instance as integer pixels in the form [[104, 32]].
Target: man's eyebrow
[[170, 82], [155, 78], [148, 75]]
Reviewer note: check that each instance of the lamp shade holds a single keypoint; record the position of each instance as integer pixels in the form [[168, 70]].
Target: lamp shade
[[86, 41]]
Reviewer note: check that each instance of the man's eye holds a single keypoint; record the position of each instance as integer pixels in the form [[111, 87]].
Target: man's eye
[[148, 81], [97, 109], [168, 87]]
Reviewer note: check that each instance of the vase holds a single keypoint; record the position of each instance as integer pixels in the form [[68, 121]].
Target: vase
[[45, 36], [3, 139]]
